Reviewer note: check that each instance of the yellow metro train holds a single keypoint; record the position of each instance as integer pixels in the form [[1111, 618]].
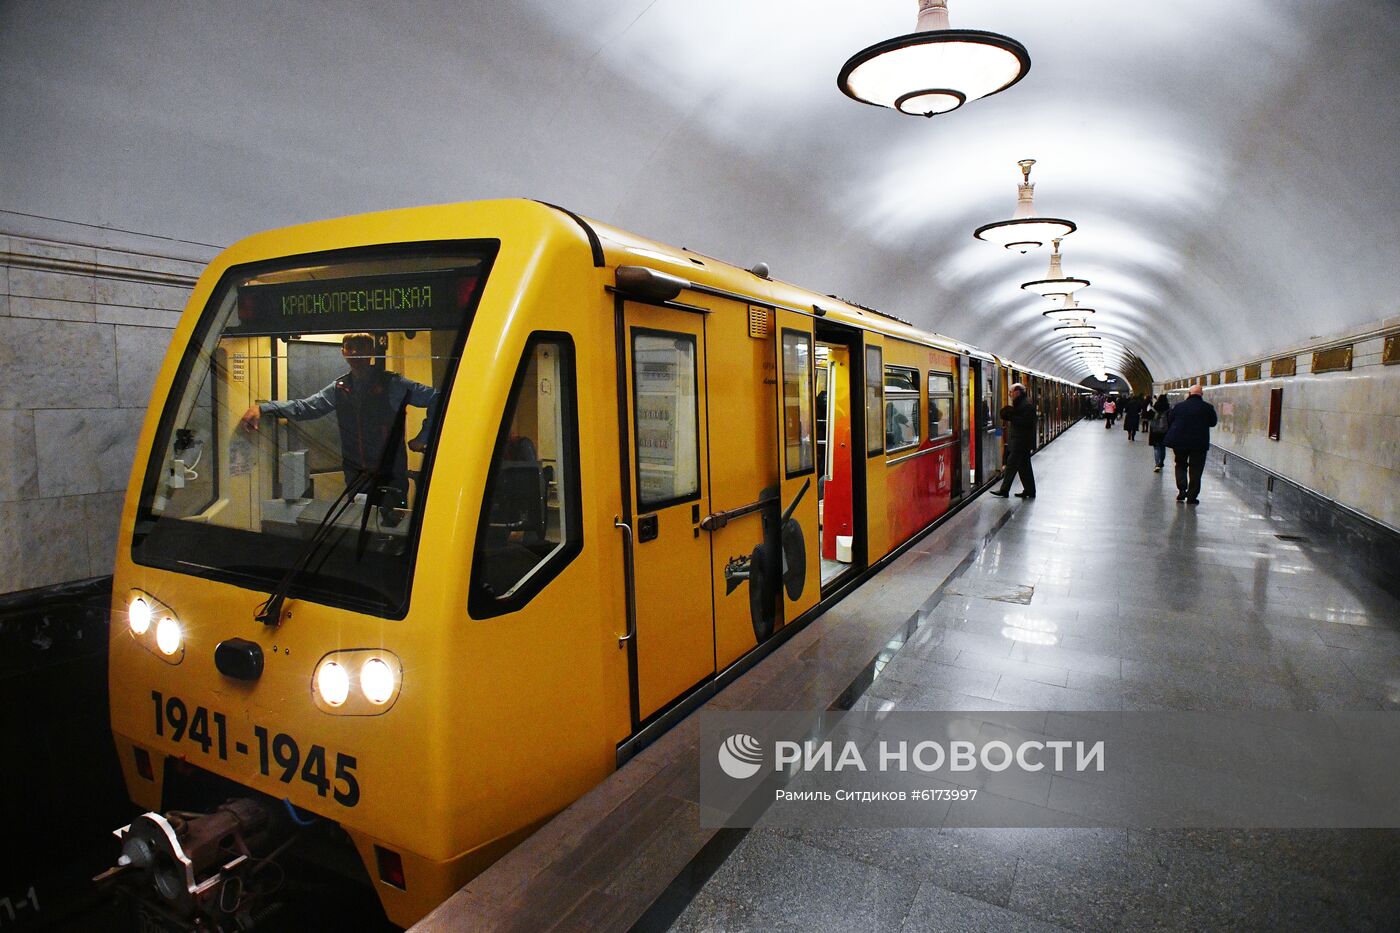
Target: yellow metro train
[[439, 514]]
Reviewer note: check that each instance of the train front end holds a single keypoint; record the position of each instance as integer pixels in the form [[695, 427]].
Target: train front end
[[273, 688]]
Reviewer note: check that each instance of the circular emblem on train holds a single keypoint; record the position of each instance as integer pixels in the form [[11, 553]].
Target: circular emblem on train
[[741, 756]]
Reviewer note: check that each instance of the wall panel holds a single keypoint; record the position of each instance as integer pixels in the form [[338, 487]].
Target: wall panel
[[86, 315]]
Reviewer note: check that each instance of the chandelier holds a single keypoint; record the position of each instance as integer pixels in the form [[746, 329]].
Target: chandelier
[[933, 69], [1070, 312], [1024, 231], [1056, 283]]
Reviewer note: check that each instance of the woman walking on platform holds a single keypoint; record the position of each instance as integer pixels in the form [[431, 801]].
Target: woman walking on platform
[[1110, 409], [1160, 415], [1132, 419]]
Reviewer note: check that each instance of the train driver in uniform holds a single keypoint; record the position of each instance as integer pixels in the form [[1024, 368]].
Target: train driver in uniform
[[367, 401]]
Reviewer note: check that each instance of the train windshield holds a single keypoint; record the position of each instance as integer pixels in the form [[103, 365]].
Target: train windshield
[[298, 437]]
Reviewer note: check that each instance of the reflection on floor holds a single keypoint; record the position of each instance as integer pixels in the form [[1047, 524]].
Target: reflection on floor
[[1105, 594]]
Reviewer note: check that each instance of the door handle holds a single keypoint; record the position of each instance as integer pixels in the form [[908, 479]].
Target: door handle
[[629, 575], [717, 520]]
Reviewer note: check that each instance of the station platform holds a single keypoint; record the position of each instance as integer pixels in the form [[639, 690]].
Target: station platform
[[1103, 593]]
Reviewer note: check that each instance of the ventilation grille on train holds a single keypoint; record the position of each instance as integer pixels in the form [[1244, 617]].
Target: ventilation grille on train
[[758, 321]]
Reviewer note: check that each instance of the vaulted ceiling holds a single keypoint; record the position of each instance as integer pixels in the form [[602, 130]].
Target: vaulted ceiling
[[1231, 165]]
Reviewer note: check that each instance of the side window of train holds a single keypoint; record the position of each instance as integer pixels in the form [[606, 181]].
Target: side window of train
[[798, 433], [531, 521], [667, 410], [940, 406], [874, 402], [901, 409]]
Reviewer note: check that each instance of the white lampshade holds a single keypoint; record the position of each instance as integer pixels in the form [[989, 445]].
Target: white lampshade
[[1070, 311], [934, 69], [1055, 284], [1025, 231]]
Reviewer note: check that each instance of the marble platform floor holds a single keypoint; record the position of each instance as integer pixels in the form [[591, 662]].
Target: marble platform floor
[[1101, 594]]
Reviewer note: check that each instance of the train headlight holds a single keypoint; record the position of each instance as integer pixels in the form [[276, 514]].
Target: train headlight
[[332, 683], [357, 682], [155, 627], [377, 681], [138, 615], [168, 635]]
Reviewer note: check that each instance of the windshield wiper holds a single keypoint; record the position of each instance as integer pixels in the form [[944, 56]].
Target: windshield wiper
[[270, 612]]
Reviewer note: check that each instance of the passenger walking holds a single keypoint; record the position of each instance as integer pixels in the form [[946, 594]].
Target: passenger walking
[[1020, 418], [1188, 435], [1110, 411], [1159, 416], [1132, 420]]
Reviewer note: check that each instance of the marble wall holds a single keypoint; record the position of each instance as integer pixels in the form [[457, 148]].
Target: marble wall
[[1340, 431], [86, 315]]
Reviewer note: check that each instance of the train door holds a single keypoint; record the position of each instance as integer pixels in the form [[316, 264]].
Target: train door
[[994, 390], [837, 461], [957, 424], [1042, 421], [742, 527], [673, 648], [968, 419], [798, 528], [877, 530], [988, 430], [978, 467]]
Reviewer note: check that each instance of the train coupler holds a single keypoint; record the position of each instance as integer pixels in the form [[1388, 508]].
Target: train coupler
[[212, 871]]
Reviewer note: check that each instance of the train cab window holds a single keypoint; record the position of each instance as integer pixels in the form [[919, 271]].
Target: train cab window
[[667, 417], [296, 444], [940, 406], [798, 434], [530, 524], [901, 409], [874, 402]]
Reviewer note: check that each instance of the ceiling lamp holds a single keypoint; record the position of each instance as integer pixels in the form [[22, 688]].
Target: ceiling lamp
[[1024, 231], [1070, 311], [1055, 283], [933, 69], [1075, 327]]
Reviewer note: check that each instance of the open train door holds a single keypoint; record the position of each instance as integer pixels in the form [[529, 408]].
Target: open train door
[[792, 522]]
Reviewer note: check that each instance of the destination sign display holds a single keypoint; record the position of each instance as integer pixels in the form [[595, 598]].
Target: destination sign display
[[392, 301]]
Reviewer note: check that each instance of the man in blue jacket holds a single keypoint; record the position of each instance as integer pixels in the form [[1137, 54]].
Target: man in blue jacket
[[369, 403], [1188, 435]]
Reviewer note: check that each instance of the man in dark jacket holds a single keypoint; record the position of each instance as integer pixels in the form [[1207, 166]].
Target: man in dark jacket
[[369, 404], [1188, 435], [1020, 441]]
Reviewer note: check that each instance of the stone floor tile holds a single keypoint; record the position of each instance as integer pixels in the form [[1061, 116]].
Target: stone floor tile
[[788, 885], [1024, 670], [937, 910]]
